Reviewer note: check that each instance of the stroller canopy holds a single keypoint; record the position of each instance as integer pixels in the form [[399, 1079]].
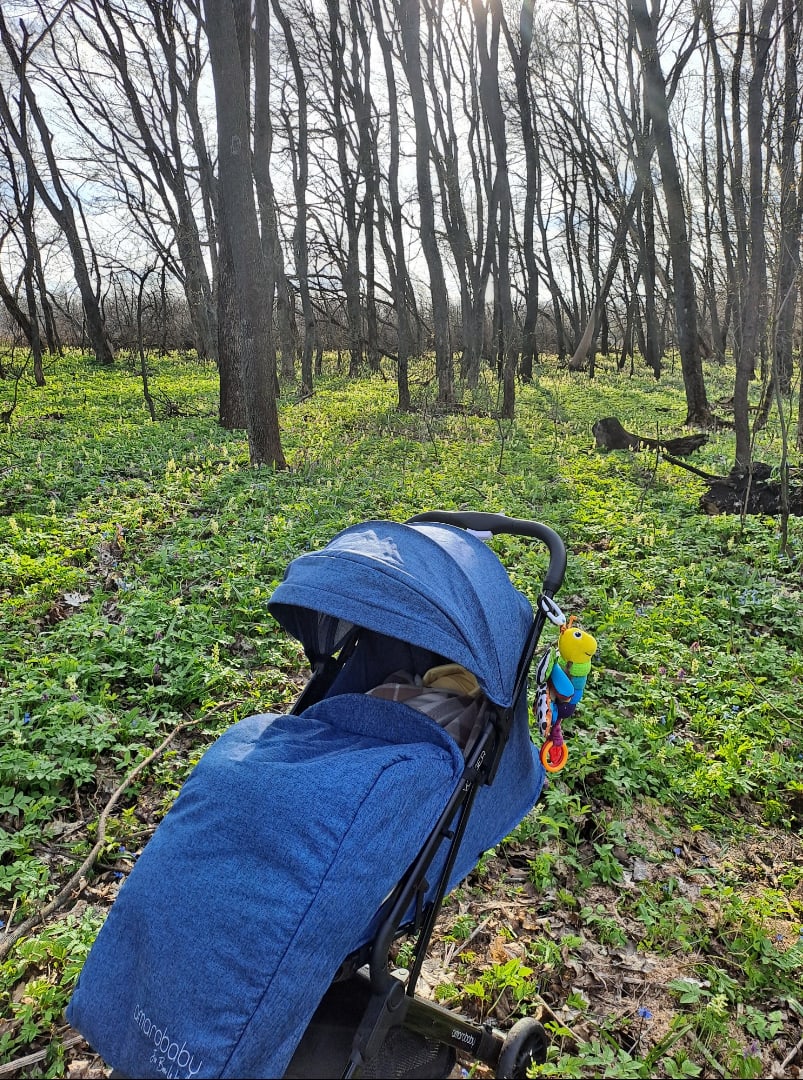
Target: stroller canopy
[[431, 585]]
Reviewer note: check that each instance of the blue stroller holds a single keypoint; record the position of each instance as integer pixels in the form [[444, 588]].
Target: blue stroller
[[254, 936]]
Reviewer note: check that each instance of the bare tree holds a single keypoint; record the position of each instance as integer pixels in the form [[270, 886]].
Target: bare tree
[[754, 309], [276, 286], [297, 137], [520, 49], [343, 50], [392, 215], [236, 197], [18, 219], [409, 14], [500, 209], [460, 163], [791, 208], [133, 108], [657, 105], [51, 186]]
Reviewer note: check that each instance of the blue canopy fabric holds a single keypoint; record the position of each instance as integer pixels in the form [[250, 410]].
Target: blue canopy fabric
[[435, 586]]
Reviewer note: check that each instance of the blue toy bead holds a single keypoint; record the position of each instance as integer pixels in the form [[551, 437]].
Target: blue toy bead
[[562, 684], [579, 684]]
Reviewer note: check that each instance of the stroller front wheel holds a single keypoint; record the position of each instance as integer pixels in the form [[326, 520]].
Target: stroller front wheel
[[525, 1044]]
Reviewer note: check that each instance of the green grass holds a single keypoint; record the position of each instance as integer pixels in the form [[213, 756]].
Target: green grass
[[136, 562]]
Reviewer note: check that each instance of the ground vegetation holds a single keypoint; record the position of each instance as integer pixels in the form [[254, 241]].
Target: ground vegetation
[[650, 908]]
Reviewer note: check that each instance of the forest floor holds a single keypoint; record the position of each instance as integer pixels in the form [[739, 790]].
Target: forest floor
[[592, 981], [650, 907]]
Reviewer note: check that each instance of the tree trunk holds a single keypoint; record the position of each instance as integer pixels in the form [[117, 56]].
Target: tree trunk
[[348, 182], [367, 137], [237, 196], [394, 246], [299, 152], [653, 351], [491, 101], [708, 187], [722, 155], [521, 66], [13, 308], [791, 210], [657, 105], [231, 400], [410, 18], [580, 356], [452, 71], [29, 270], [755, 295]]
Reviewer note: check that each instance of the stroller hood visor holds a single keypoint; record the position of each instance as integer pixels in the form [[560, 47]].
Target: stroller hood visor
[[434, 586]]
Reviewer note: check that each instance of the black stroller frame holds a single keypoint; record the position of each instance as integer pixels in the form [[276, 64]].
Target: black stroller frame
[[387, 1000]]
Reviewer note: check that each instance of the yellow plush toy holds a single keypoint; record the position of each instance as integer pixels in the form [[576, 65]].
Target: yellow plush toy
[[561, 682]]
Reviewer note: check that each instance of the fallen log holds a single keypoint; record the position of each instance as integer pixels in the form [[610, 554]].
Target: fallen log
[[741, 491], [751, 491], [611, 435]]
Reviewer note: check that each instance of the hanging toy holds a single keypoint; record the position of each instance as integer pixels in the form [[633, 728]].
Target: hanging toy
[[561, 681]]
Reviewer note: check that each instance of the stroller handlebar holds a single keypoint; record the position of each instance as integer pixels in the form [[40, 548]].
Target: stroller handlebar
[[478, 521]]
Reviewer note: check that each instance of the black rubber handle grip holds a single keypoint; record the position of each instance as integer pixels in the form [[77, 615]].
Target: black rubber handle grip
[[477, 521]]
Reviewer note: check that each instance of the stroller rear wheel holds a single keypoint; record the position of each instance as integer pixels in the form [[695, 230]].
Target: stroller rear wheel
[[525, 1044]]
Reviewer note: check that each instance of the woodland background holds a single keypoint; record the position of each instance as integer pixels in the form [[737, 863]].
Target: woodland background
[[488, 181], [404, 256]]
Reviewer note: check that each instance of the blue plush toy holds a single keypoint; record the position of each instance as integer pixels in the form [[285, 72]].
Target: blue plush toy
[[561, 681]]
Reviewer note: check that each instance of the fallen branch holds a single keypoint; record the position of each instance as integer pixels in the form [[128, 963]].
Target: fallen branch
[[790, 1057], [10, 939], [456, 947], [710, 477], [170, 408], [75, 882], [14, 1068], [611, 435]]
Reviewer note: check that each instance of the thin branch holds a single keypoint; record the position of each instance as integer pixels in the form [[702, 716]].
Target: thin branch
[[790, 1057], [13, 1068], [690, 468], [76, 882]]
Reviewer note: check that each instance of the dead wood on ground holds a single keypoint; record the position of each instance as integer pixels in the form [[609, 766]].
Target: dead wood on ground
[[752, 491], [611, 435]]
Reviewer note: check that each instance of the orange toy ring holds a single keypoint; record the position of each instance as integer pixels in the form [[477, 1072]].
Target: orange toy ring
[[553, 758]]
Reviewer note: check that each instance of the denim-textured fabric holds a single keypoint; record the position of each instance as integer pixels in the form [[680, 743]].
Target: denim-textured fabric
[[276, 858], [445, 592], [435, 586], [498, 807], [262, 878]]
